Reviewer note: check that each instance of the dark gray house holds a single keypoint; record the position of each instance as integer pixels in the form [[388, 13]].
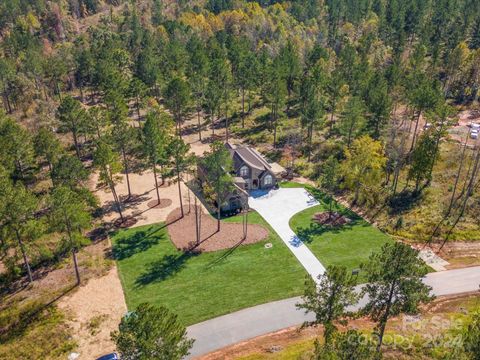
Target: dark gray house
[[252, 171]]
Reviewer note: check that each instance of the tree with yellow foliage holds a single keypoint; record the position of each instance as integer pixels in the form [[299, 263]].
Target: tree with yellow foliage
[[363, 168]]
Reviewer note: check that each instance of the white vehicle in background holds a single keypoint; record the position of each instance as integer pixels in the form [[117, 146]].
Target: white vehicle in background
[[474, 134], [475, 126]]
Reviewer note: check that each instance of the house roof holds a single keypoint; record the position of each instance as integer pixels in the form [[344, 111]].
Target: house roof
[[239, 180], [250, 156]]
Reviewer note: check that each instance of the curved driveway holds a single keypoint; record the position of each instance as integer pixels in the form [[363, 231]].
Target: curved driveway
[[277, 207]]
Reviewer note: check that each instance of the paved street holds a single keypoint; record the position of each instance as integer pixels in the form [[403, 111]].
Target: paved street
[[248, 323], [277, 207]]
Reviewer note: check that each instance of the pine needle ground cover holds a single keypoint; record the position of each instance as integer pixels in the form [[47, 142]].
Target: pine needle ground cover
[[203, 286]]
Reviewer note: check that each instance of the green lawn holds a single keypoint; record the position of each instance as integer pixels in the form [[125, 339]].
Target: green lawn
[[290, 184], [207, 285], [349, 245]]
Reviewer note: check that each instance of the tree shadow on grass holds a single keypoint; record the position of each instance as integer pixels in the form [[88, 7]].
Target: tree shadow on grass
[[308, 234], [166, 267], [139, 241], [225, 255]]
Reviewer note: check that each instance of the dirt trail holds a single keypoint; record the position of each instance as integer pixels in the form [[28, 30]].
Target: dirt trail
[[95, 310]]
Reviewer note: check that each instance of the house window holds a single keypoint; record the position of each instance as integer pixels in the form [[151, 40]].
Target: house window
[[268, 180], [244, 171]]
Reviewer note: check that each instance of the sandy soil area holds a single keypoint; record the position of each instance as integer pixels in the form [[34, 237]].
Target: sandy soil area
[[96, 309], [143, 189], [460, 254], [182, 232]]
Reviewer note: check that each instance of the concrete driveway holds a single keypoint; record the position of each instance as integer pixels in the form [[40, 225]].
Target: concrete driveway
[[277, 207]]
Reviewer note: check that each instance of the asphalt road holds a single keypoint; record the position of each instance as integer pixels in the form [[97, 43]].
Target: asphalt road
[[248, 323]]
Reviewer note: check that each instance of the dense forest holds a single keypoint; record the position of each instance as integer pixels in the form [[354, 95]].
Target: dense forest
[[362, 97]]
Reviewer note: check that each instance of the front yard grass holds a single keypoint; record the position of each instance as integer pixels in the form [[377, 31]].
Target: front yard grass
[[203, 286], [348, 245]]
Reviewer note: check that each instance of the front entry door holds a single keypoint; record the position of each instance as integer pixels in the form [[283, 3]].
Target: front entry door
[[255, 184]]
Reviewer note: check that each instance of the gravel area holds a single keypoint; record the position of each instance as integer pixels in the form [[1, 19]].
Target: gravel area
[[182, 232]]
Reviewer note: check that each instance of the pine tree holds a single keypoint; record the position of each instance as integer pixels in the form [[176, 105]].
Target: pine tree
[[69, 215], [155, 141], [394, 284], [329, 299]]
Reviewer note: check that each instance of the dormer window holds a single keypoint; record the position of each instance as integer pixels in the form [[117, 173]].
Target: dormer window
[[268, 180], [244, 170]]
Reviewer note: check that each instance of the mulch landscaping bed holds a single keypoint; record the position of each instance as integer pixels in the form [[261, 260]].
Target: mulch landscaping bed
[[126, 223], [163, 203], [334, 219], [182, 232]]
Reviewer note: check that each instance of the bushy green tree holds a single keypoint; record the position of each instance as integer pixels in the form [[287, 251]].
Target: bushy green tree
[[150, 333], [18, 217], [47, 146], [69, 171], [16, 148], [352, 121], [329, 178], [423, 155], [216, 166], [177, 100], [107, 161], [72, 119]]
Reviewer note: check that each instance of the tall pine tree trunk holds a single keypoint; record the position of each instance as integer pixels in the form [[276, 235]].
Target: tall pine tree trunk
[[197, 225], [75, 142], [156, 183], [199, 125], [243, 108], [180, 192], [24, 255], [74, 251], [125, 165], [460, 168], [218, 212], [415, 131], [116, 199], [75, 264]]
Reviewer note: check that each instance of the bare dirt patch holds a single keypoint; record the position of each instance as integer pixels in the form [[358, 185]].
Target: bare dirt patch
[[95, 310], [182, 232], [460, 254]]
